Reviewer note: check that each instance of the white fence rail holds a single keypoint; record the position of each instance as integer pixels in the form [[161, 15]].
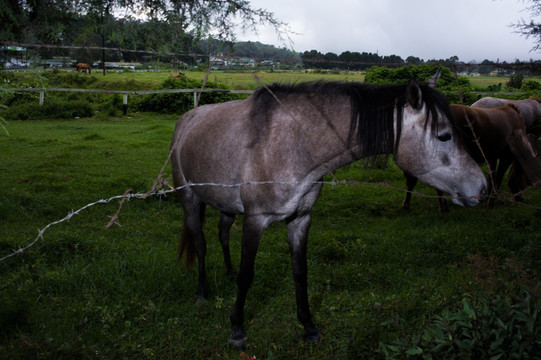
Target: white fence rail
[[126, 93]]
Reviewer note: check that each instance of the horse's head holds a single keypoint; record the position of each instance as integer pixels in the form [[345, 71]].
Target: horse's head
[[428, 147]]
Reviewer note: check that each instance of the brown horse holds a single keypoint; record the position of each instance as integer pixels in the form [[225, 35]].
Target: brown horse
[[83, 67], [486, 142]]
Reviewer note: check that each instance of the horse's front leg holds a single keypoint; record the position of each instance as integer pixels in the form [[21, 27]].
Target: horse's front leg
[[252, 228], [297, 228], [411, 181]]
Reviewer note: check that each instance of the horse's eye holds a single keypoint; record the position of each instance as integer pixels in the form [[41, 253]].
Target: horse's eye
[[444, 137]]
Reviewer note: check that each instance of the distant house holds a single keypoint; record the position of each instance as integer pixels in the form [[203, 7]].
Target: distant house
[[58, 63], [246, 62], [13, 57], [223, 62], [118, 65]]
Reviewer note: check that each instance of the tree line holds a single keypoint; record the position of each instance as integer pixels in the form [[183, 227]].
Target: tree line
[[182, 27], [159, 25]]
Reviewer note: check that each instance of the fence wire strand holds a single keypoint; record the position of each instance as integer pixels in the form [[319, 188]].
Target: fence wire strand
[[128, 196]]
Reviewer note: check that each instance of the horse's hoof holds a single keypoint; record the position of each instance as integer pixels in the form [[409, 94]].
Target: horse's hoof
[[238, 340], [313, 336], [201, 303]]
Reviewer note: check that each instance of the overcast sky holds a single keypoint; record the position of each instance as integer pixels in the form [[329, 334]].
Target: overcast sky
[[473, 30]]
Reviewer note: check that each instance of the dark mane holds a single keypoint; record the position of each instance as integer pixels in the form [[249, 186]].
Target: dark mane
[[372, 108]]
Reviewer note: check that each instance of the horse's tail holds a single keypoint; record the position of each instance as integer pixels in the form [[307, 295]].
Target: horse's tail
[[186, 247]]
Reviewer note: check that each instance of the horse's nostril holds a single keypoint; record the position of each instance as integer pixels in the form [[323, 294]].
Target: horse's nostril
[[483, 192]]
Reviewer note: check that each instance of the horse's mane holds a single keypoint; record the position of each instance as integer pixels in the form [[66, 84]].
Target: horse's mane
[[372, 108]]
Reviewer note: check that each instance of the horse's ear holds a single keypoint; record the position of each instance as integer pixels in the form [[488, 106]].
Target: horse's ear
[[414, 95], [434, 79]]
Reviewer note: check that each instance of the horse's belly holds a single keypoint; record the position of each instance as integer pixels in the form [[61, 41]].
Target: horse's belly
[[221, 197]]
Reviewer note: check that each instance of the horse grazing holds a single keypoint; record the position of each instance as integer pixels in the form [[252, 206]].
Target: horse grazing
[[491, 127], [265, 156], [530, 109], [83, 67]]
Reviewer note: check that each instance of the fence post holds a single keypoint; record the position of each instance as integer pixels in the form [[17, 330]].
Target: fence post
[[125, 104], [195, 99], [41, 97]]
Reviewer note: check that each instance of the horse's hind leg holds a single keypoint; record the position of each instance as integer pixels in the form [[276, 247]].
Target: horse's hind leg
[[193, 241], [224, 226]]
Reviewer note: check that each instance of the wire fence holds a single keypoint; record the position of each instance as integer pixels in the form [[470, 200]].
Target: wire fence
[[128, 196]]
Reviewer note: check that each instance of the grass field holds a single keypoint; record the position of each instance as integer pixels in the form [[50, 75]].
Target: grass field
[[252, 80], [378, 276]]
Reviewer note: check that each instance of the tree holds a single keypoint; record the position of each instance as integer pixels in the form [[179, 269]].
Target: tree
[[49, 21], [313, 59], [532, 28], [413, 60], [35, 20]]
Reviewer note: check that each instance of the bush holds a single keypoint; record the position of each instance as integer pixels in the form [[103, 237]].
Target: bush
[[69, 79], [515, 82], [51, 109], [530, 85], [494, 327], [502, 322], [180, 102], [455, 90], [378, 75]]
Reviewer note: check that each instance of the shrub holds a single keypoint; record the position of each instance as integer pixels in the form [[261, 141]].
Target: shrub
[[530, 85], [111, 107], [500, 323], [381, 75], [69, 79], [52, 109], [180, 102], [515, 82], [494, 327]]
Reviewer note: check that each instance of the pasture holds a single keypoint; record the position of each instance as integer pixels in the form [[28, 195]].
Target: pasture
[[242, 80], [251, 80], [379, 278]]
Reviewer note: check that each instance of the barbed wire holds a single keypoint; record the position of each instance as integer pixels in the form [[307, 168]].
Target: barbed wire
[[128, 196]]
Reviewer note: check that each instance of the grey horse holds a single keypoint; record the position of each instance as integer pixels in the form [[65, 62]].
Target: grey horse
[[264, 157]]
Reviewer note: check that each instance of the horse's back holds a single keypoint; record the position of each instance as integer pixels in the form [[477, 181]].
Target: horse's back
[[530, 109], [488, 102]]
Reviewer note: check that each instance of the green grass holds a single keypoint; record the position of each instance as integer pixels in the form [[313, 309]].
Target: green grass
[[254, 79], [83, 291], [239, 80]]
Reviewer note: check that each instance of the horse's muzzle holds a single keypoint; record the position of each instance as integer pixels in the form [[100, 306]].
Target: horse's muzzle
[[468, 201]]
